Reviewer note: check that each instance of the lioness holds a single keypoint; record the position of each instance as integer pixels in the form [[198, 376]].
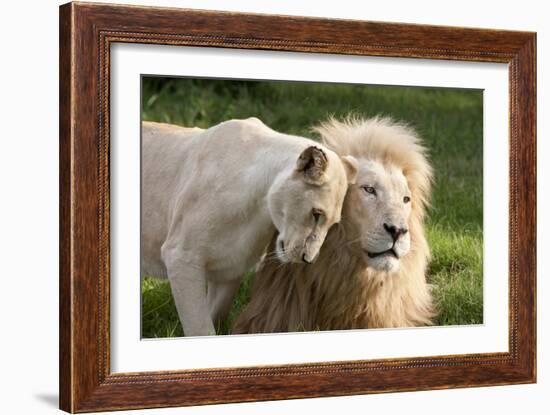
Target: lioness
[[212, 199]]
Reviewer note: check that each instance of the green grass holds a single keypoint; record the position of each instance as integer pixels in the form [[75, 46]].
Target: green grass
[[456, 272], [450, 122], [159, 317]]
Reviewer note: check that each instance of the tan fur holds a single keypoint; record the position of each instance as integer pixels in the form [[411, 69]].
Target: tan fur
[[342, 290]]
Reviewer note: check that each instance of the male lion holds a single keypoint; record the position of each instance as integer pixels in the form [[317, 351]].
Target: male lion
[[371, 268], [212, 199]]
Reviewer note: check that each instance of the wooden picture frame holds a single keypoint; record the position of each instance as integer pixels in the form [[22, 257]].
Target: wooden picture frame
[[86, 33]]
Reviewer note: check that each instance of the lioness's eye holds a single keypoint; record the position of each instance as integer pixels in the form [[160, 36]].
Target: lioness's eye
[[317, 213], [369, 189], [406, 199]]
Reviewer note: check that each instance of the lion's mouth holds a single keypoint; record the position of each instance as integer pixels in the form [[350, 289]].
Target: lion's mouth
[[383, 253]]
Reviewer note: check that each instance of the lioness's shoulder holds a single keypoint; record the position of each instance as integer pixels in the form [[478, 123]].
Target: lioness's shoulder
[[242, 129], [246, 123]]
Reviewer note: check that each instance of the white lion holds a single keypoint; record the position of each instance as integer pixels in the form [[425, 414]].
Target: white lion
[[371, 270], [212, 200]]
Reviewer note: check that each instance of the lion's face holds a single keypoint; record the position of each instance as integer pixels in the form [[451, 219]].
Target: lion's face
[[306, 203], [379, 207]]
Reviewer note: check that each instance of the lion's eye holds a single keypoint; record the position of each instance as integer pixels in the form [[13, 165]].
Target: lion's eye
[[369, 189], [406, 199], [317, 213]]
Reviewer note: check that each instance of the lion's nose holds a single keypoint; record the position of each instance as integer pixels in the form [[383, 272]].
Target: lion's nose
[[394, 231]]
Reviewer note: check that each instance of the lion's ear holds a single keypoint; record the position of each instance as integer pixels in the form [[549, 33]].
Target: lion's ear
[[312, 165], [350, 166]]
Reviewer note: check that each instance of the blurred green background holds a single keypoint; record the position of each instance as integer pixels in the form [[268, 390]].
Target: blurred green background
[[450, 121]]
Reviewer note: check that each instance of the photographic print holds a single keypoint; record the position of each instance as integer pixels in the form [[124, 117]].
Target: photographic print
[[278, 206], [303, 200]]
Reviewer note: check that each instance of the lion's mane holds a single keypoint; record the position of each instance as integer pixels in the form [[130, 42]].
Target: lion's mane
[[340, 291]]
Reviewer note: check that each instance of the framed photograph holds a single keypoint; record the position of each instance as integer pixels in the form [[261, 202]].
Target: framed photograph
[[258, 207]]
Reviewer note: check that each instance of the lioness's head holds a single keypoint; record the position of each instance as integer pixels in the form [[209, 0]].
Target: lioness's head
[[306, 201], [385, 207]]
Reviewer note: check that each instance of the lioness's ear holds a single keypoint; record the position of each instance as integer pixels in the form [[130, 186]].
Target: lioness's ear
[[350, 165], [312, 165]]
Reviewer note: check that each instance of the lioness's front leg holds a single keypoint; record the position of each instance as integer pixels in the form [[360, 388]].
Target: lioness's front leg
[[220, 298], [188, 284]]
